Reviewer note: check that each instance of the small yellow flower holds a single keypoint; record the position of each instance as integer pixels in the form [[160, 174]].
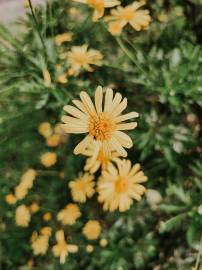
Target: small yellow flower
[[10, 198], [82, 188], [20, 192], [27, 179], [22, 216], [104, 124], [69, 214], [46, 231], [138, 19], [40, 244], [47, 216], [162, 17], [92, 229], [118, 187], [81, 58], [99, 6], [45, 129], [61, 38], [62, 78], [96, 159], [34, 208], [54, 140], [103, 242], [61, 249], [89, 248], [48, 159], [46, 77], [115, 28]]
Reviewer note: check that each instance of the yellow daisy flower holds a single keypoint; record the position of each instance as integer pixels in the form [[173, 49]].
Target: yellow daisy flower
[[45, 129], [27, 179], [104, 125], [61, 249], [34, 208], [99, 6], [47, 216], [89, 248], [10, 198], [61, 38], [69, 214], [46, 231], [138, 19], [118, 187], [96, 160], [82, 187], [40, 244], [92, 229], [22, 216], [20, 192], [81, 58], [48, 159], [103, 242], [54, 140]]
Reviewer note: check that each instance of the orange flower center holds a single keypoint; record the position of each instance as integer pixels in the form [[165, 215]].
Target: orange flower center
[[101, 127], [127, 14], [97, 4], [121, 185], [81, 58]]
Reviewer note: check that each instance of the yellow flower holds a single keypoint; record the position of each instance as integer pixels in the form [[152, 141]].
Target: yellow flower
[[40, 244], [61, 38], [115, 28], [61, 249], [45, 129], [162, 17], [98, 159], [138, 19], [104, 125], [10, 198], [46, 231], [89, 248], [20, 192], [80, 57], [47, 216], [53, 140], [22, 216], [46, 77], [118, 187], [92, 229], [82, 188], [69, 214], [99, 6], [27, 179], [34, 207], [62, 78], [103, 242], [48, 159]]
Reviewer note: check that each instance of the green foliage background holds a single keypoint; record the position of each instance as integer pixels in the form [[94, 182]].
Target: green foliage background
[[167, 93]]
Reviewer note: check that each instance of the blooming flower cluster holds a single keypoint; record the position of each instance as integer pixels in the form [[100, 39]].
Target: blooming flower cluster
[[120, 16], [105, 144]]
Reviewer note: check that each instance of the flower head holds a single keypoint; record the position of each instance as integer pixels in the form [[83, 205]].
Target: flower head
[[27, 179], [118, 187], [82, 187], [121, 16], [61, 249], [103, 242], [92, 229], [39, 244], [69, 214], [10, 198], [48, 159], [47, 216], [89, 248], [45, 129], [34, 208], [61, 38], [81, 58], [104, 125], [54, 140], [22, 216], [99, 6]]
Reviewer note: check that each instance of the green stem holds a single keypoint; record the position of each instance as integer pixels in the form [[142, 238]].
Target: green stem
[[199, 255], [128, 53], [37, 26]]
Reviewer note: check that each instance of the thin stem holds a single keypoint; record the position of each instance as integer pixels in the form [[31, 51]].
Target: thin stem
[[37, 26], [128, 53], [199, 255]]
